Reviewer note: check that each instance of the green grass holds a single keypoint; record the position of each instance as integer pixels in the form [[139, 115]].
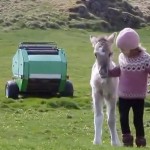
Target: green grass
[[43, 123], [57, 129]]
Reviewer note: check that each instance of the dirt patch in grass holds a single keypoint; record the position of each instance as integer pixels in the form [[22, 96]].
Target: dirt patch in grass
[[144, 5]]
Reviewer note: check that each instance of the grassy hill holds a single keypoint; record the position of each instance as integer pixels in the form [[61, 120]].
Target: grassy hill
[[144, 5], [45, 14], [20, 13]]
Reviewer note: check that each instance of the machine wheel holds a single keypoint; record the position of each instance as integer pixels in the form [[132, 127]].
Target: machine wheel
[[11, 89], [68, 91]]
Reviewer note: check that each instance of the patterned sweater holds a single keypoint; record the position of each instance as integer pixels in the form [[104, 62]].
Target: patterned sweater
[[133, 74]]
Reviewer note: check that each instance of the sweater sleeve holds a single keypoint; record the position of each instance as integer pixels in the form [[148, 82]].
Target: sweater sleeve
[[148, 70], [115, 72], [147, 64]]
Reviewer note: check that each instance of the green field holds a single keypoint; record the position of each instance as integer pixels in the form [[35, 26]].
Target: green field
[[43, 123]]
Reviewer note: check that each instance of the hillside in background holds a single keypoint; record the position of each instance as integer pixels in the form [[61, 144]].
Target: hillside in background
[[86, 14]]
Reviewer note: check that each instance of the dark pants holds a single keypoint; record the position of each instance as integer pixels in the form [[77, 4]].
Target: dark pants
[[137, 106]]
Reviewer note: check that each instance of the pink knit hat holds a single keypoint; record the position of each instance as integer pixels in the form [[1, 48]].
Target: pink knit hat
[[127, 39]]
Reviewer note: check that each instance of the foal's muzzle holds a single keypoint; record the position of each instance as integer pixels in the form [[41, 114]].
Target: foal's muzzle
[[103, 72]]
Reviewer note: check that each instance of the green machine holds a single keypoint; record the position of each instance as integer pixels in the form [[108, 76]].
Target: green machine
[[39, 67]]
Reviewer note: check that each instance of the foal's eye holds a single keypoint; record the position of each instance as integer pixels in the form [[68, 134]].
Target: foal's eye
[[102, 51]]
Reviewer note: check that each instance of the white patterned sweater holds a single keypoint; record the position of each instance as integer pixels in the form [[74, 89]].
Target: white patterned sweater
[[133, 75]]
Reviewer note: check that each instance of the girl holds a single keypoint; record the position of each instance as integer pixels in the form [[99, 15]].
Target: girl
[[133, 70]]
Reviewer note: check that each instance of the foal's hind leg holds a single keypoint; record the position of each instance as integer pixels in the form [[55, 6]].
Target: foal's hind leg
[[98, 116], [111, 115]]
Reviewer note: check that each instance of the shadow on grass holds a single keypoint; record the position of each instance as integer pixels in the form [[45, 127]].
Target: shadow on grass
[[41, 95], [63, 103]]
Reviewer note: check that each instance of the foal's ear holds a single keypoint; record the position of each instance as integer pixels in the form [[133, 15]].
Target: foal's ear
[[93, 40], [111, 38]]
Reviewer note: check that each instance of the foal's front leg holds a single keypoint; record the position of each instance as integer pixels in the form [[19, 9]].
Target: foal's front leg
[[98, 116], [111, 116]]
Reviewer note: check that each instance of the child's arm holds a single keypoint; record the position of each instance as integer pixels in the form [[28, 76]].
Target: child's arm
[[115, 72], [147, 65]]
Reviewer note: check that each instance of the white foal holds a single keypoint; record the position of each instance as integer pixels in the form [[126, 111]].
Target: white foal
[[104, 89]]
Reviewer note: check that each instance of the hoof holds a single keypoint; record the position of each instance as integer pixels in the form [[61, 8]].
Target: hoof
[[96, 142]]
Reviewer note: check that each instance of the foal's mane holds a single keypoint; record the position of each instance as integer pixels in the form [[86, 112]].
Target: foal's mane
[[102, 38], [103, 41]]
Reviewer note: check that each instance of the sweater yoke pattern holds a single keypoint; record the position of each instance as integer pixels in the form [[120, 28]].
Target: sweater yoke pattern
[[139, 63]]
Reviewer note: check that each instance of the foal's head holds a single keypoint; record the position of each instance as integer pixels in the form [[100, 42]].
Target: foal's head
[[103, 52]]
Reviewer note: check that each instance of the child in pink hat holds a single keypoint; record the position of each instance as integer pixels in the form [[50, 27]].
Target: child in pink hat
[[133, 70]]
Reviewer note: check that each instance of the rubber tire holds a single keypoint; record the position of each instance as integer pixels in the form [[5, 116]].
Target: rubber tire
[[68, 91], [11, 89]]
